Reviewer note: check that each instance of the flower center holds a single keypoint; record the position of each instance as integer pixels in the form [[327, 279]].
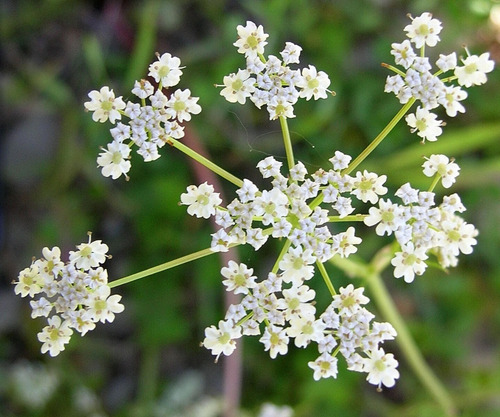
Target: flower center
[[380, 365], [252, 41], [312, 84], [116, 159], [179, 106], [237, 84], [163, 71], [224, 339]]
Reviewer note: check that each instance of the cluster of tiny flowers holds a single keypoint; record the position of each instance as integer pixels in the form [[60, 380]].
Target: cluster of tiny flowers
[[287, 211], [418, 82], [151, 123], [284, 302], [286, 310], [420, 227], [72, 295], [271, 82]]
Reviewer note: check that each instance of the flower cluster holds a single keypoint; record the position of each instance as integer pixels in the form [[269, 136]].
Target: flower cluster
[[420, 227], [290, 209], [150, 125], [417, 82], [288, 312], [271, 82], [71, 295]]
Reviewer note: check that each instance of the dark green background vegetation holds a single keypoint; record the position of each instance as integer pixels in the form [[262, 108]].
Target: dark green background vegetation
[[55, 51]]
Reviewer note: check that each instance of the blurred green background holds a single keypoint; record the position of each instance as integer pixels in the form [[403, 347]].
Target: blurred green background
[[148, 362]]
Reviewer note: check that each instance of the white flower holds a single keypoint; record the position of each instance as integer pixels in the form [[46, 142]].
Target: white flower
[[447, 62], [40, 308], [409, 262], [114, 160], [275, 341], [102, 306], [368, 186], [279, 107], [291, 53], [425, 124], [387, 215], [222, 340], [202, 200], [55, 336], [450, 98], [30, 282], [271, 410], [440, 164], [166, 70], [239, 278], [340, 161], [237, 87], [181, 105], [404, 54], [424, 30], [343, 243], [269, 167], [104, 105], [349, 300], [305, 329], [297, 265], [381, 368], [271, 205], [89, 255], [251, 39], [143, 89], [324, 366], [474, 70], [313, 83], [407, 194], [459, 235], [296, 301]]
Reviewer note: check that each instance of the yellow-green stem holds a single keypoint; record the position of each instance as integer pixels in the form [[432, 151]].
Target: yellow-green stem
[[351, 218], [287, 141], [205, 162], [162, 267], [326, 277], [434, 182], [381, 136], [371, 274]]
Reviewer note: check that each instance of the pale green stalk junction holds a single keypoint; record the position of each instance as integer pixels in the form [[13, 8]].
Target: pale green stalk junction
[[371, 273], [205, 162]]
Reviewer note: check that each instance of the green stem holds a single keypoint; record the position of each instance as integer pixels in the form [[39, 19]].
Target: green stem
[[381, 136], [434, 182], [284, 250], [205, 162], [372, 274], [326, 277], [162, 267], [287, 141], [351, 218]]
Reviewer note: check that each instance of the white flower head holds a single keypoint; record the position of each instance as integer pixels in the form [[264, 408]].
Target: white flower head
[[55, 336], [251, 39], [105, 105], [239, 278], [275, 341], [114, 161], [381, 368], [324, 366], [474, 70], [440, 164], [202, 200], [89, 255], [222, 340], [166, 70], [425, 124], [424, 30], [291, 53], [404, 54], [409, 262], [181, 105], [313, 83], [238, 87]]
